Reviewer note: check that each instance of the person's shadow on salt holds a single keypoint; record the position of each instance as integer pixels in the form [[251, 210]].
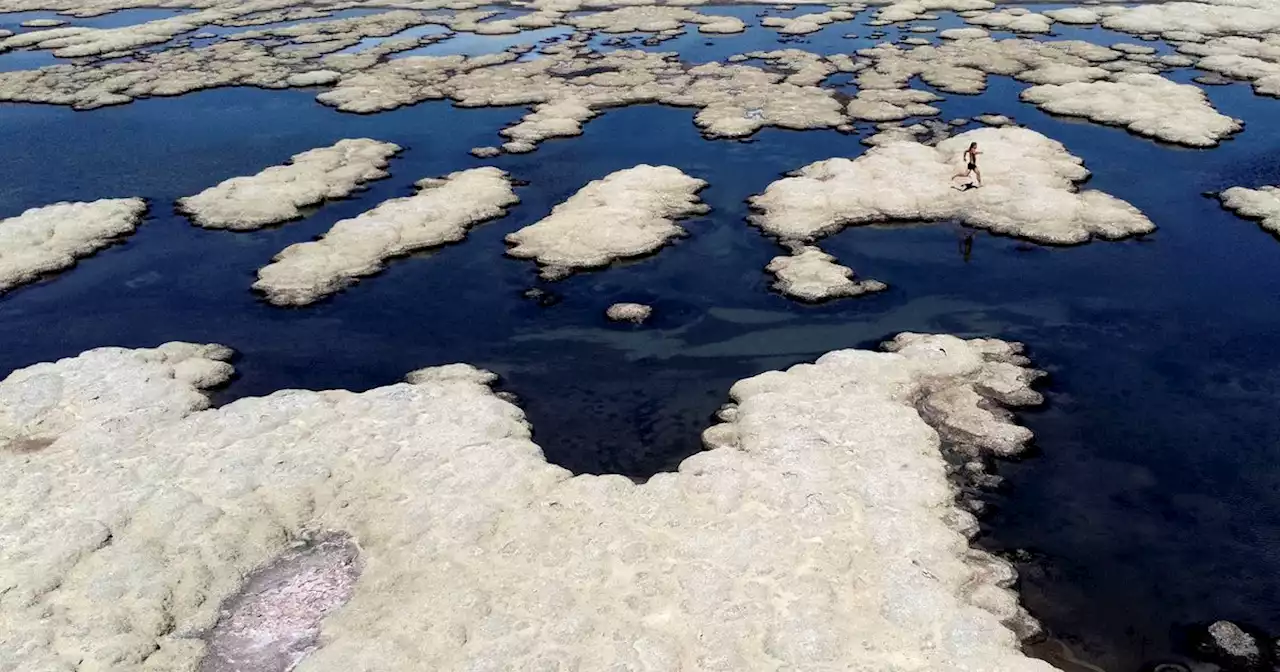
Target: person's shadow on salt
[[964, 187]]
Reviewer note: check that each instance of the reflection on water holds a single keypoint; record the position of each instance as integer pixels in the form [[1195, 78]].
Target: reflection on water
[[1152, 501]]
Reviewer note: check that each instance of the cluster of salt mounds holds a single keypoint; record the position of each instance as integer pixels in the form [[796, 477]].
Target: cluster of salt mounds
[[628, 213], [441, 212], [1030, 191], [1262, 204], [277, 193], [819, 532], [51, 238]]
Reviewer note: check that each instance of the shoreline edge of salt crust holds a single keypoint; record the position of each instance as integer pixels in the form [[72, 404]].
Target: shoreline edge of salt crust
[[45, 240], [818, 531]]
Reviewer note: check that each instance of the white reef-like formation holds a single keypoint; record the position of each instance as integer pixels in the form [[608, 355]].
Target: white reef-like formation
[[1177, 19], [278, 193], [808, 23], [1030, 191], [51, 238], [899, 11], [1148, 105], [963, 33], [962, 65], [629, 312], [809, 274], [819, 530], [653, 19], [628, 213], [441, 212], [81, 41], [994, 119], [1017, 19], [1246, 58], [1262, 204], [1074, 15], [892, 104]]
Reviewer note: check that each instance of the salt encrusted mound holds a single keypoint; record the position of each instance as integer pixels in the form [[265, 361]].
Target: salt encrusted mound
[[963, 33], [1148, 105], [1246, 58], [1073, 15], [892, 104], [629, 312], [1030, 191], [441, 212], [278, 193], [51, 238], [1262, 204], [809, 274], [818, 532], [1234, 17], [628, 213], [910, 10], [808, 23], [654, 19], [994, 119], [1017, 19]]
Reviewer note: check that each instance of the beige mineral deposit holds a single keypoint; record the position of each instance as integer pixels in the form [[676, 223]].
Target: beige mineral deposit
[[628, 213], [1148, 105], [279, 193], [440, 212], [51, 238], [629, 312], [1262, 204], [809, 274], [1029, 191], [417, 526]]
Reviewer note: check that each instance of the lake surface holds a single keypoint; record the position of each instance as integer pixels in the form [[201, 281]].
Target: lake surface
[[1150, 505]]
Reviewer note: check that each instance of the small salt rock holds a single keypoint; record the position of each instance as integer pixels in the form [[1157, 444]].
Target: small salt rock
[[629, 312], [1229, 644], [541, 296], [485, 152]]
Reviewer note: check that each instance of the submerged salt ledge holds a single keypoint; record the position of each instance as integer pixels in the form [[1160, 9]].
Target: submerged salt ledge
[[440, 212], [628, 213], [827, 536], [51, 238], [278, 193], [1030, 191]]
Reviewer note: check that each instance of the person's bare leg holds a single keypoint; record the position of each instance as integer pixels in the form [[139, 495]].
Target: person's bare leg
[[978, 173]]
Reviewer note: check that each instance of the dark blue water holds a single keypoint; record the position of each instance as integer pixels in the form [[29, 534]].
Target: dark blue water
[[1150, 504]]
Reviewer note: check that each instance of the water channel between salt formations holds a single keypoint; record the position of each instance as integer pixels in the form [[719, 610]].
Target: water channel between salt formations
[[1150, 506]]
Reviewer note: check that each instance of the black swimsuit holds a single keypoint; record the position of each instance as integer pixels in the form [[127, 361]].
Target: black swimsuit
[[973, 163]]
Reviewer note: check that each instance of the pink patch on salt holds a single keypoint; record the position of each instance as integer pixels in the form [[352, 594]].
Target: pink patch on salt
[[274, 622]]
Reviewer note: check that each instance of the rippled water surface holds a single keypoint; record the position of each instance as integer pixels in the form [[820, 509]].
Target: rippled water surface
[[1150, 505]]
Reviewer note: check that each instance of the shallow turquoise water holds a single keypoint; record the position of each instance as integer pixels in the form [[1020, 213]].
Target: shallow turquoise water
[[1150, 504]]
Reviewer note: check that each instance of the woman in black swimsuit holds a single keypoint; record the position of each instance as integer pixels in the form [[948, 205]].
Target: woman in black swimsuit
[[971, 163]]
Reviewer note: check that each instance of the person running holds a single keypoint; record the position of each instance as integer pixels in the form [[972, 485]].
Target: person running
[[971, 163]]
